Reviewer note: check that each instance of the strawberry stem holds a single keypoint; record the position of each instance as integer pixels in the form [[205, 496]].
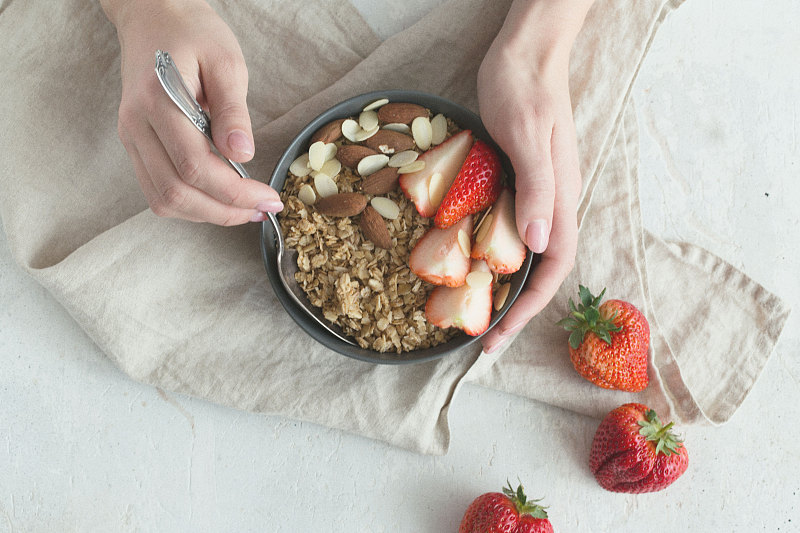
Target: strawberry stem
[[666, 441], [586, 317], [522, 504]]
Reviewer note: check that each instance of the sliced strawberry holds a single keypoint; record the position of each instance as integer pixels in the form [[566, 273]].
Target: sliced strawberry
[[499, 243], [439, 258], [444, 160], [475, 188], [468, 308]]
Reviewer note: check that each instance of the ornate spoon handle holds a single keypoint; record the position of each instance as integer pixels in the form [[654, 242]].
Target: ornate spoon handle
[[173, 84]]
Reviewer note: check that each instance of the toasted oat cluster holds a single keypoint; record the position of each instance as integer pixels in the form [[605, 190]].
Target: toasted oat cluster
[[368, 291]]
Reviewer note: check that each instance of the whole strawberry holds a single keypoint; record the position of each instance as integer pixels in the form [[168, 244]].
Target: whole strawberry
[[475, 188], [608, 344], [632, 451], [509, 512]]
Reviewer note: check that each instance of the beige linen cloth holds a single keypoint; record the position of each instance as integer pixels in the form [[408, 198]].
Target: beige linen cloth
[[187, 307]]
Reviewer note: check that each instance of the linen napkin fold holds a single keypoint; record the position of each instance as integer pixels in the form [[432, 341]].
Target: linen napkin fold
[[187, 307]]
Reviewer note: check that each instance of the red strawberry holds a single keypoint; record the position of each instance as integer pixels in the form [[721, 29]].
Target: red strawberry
[[468, 307], [444, 160], [608, 345], [498, 242], [475, 188], [509, 512], [439, 258], [632, 451]]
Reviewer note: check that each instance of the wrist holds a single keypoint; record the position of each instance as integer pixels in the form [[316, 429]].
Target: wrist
[[540, 33]]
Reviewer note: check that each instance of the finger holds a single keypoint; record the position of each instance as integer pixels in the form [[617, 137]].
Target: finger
[[224, 76], [199, 167], [535, 186], [175, 198]]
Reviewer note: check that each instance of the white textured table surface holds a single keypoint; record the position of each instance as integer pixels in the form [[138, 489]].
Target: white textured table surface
[[83, 448]]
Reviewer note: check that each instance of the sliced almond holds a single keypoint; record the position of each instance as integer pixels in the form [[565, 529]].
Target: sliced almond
[[316, 155], [416, 166], [345, 204], [368, 120], [307, 195], [328, 133], [422, 132], [300, 167], [351, 154], [329, 151], [403, 112], [390, 142], [438, 129], [372, 163], [363, 134], [374, 228], [325, 185], [479, 279], [401, 159], [437, 188], [480, 222], [464, 242], [487, 223], [376, 104], [350, 129], [501, 296], [386, 207], [398, 126], [380, 182], [332, 167]]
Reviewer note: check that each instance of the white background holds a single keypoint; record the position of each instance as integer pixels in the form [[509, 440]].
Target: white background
[[83, 448]]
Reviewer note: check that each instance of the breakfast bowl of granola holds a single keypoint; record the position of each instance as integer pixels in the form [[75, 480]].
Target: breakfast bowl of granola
[[399, 217]]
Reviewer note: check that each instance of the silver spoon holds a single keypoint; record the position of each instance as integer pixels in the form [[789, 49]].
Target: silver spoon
[[173, 84]]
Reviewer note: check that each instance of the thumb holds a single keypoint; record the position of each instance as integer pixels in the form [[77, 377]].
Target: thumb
[[225, 89], [535, 185]]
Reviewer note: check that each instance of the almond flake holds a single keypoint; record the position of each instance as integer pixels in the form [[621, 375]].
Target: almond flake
[[332, 167], [376, 104], [483, 217], [325, 185], [501, 295], [368, 120], [363, 135], [330, 151], [316, 155], [479, 279], [438, 129], [386, 207], [372, 163], [401, 159], [350, 129], [300, 167], [487, 222], [436, 188], [422, 132], [416, 166], [398, 126], [464, 242], [307, 195]]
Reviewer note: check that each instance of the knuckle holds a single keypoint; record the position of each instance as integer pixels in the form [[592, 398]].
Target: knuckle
[[173, 198], [188, 169]]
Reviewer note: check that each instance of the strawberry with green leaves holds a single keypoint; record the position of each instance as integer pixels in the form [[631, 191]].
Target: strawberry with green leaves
[[633, 452], [475, 188], [608, 343], [506, 512]]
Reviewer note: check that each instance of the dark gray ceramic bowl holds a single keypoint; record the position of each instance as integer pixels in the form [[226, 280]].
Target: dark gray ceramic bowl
[[462, 116]]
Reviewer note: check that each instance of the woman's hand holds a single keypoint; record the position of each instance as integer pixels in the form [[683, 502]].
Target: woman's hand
[[524, 102], [179, 174]]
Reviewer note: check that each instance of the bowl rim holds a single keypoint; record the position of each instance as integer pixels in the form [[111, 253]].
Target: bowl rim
[[347, 108]]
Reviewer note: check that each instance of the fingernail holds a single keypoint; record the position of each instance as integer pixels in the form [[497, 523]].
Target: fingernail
[[272, 206], [238, 141], [258, 216], [499, 341], [536, 236]]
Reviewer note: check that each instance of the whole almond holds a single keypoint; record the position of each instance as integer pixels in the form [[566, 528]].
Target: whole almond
[[390, 142], [328, 133], [350, 154], [402, 112], [374, 228], [344, 204], [381, 182]]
